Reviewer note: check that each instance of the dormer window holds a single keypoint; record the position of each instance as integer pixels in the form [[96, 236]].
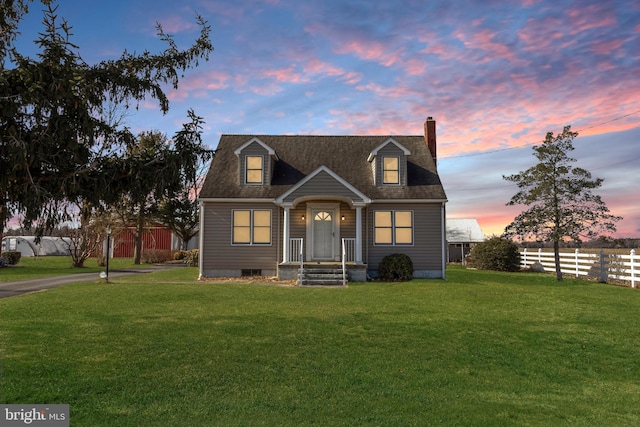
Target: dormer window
[[391, 170], [255, 167], [255, 162], [389, 163]]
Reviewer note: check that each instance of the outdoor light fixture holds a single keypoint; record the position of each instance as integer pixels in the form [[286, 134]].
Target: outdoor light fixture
[[303, 217], [343, 217]]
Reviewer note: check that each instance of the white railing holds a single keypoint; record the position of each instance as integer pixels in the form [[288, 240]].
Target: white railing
[[349, 250], [348, 255], [601, 265], [296, 252]]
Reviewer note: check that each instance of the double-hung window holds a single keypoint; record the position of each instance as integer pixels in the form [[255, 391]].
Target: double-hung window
[[393, 227], [251, 227], [390, 170], [254, 170]]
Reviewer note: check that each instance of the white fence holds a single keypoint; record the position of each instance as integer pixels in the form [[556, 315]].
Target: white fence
[[602, 266]]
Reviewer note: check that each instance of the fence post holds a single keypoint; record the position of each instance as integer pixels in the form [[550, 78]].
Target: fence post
[[540, 255], [525, 258], [603, 269], [577, 270], [633, 271]]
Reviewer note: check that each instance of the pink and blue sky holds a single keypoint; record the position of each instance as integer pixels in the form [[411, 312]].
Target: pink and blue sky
[[495, 75]]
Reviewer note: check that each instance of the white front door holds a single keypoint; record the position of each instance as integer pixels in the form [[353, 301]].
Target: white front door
[[322, 224]]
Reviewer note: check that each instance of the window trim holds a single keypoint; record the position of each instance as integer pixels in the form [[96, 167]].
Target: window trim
[[393, 227], [247, 170], [251, 227], [397, 171]]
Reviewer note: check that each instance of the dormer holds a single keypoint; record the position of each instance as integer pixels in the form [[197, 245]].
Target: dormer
[[255, 162], [389, 163]]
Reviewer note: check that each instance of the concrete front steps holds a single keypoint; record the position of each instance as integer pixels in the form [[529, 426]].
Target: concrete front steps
[[321, 276]]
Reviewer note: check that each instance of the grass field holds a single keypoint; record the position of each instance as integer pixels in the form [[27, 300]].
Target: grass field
[[481, 348]]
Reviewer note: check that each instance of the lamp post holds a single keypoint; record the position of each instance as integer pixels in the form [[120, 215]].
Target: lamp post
[[108, 252]]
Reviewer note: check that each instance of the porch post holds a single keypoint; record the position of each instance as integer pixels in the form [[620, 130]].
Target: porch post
[[358, 235], [285, 236]]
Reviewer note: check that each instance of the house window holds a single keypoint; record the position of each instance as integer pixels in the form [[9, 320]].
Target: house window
[[254, 170], [393, 227], [390, 170], [251, 227]]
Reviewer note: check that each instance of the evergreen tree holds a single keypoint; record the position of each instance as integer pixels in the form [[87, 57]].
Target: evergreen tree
[[560, 198]]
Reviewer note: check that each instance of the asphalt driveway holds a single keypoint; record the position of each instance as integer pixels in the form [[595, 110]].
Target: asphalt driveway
[[9, 289]]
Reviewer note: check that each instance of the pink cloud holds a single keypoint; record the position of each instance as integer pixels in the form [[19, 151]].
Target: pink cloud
[[369, 51], [176, 24], [415, 67], [606, 47], [584, 18], [286, 75], [316, 67], [541, 34]]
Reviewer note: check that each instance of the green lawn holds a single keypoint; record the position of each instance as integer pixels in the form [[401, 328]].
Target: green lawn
[[480, 349], [34, 267]]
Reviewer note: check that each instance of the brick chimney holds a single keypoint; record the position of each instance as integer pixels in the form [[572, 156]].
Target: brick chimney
[[430, 138]]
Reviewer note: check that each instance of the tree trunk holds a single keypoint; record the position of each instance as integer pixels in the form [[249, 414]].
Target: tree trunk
[[138, 249], [556, 256]]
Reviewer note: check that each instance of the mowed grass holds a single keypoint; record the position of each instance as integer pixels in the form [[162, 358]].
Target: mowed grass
[[35, 267], [482, 348]]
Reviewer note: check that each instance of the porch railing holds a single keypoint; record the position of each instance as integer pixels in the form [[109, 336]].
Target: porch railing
[[296, 248], [348, 255], [349, 250]]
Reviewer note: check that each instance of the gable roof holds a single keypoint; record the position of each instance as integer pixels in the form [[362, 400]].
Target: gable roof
[[374, 152], [464, 230], [354, 194], [301, 155], [268, 149]]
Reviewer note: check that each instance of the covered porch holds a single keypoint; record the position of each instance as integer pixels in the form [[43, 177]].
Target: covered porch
[[322, 223]]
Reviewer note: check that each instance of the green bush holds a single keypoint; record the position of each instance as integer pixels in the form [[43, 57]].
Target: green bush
[[497, 254], [396, 268], [12, 257]]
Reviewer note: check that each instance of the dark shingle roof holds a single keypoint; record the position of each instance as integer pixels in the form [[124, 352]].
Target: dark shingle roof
[[345, 155]]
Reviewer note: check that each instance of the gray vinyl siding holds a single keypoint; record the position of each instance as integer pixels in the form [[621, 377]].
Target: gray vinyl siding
[[297, 225], [426, 251], [255, 149], [391, 150], [348, 226], [220, 254], [322, 184]]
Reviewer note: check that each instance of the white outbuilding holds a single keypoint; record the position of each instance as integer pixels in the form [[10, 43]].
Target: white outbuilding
[[27, 246], [462, 235]]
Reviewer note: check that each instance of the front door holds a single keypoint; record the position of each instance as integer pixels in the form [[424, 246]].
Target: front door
[[323, 233]]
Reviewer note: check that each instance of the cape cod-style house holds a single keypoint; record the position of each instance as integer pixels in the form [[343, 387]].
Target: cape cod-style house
[[272, 204]]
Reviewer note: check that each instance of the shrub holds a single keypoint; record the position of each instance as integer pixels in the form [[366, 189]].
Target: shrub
[[155, 256], [179, 255], [396, 268], [12, 257], [497, 254], [191, 258]]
